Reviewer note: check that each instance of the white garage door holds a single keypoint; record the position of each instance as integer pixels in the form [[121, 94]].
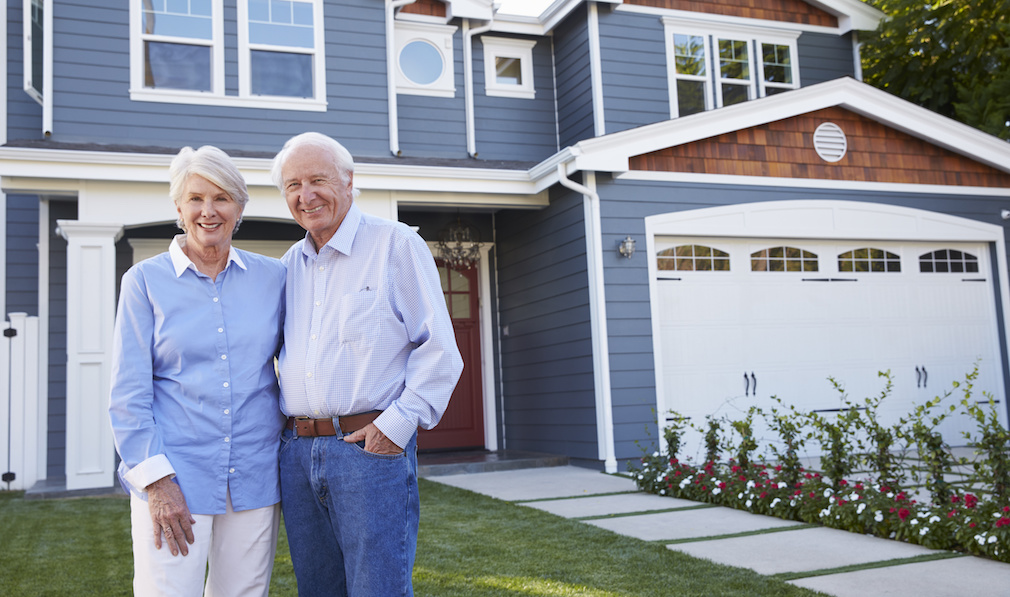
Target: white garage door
[[741, 320]]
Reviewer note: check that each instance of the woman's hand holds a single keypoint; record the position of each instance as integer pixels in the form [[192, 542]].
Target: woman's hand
[[170, 516]]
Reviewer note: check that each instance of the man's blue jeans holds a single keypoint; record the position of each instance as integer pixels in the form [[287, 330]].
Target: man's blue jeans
[[351, 516]]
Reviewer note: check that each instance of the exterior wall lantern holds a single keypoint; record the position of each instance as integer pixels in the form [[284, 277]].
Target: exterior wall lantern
[[626, 247]]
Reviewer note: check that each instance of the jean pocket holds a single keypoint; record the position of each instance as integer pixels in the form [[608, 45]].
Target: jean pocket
[[360, 448]]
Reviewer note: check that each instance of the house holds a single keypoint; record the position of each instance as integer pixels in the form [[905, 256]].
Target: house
[[674, 205]]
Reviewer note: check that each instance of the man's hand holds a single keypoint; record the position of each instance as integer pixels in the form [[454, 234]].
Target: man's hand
[[170, 516], [376, 441]]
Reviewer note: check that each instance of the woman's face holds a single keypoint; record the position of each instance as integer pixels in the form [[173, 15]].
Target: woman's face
[[208, 214]]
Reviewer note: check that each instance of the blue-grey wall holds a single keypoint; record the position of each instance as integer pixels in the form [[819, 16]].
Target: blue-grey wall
[[824, 57], [24, 115], [572, 78], [517, 129], [633, 62], [22, 259], [624, 205], [546, 356], [57, 441]]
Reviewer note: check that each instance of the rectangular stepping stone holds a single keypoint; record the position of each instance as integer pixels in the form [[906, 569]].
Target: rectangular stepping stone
[[609, 504], [966, 576], [689, 524], [539, 483], [801, 550]]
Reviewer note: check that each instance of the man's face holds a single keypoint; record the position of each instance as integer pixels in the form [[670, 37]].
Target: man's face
[[316, 192]]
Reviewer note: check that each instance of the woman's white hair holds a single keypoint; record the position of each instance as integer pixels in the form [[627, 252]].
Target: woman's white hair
[[338, 153], [214, 165]]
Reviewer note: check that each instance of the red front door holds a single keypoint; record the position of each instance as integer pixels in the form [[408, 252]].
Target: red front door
[[462, 425]]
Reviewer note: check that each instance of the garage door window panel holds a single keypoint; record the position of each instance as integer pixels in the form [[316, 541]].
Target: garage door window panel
[[783, 259], [948, 261], [693, 258], [869, 260]]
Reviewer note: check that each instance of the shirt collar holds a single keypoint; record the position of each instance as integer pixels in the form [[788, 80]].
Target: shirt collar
[[342, 239], [181, 262]]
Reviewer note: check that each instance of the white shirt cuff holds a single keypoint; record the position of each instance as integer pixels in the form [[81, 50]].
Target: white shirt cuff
[[395, 427], [149, 471]]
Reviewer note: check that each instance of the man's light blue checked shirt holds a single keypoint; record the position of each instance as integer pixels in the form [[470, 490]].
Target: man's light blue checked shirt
[[367, 329]]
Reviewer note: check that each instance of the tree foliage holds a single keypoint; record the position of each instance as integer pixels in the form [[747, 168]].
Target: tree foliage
[[951, 56]]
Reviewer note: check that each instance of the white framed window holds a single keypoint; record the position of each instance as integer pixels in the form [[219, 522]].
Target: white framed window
[[281, 50], [177, 50], [424, 59], [34, 34], [711, 65], [508, 67]]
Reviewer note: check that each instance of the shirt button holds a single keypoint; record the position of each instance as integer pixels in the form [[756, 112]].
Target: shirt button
[[231, 470], [225, 384], [227, 439], [319, 303], [313, 336], [308, 374], [224, 357], [227, 411], [322, 267], [220, 330], [215, 299]]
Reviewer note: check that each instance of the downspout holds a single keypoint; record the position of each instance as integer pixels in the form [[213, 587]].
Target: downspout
[[471, 132], [394, 131], [598, 316]]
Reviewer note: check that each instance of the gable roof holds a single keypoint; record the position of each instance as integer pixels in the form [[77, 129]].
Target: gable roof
[[612, 153]]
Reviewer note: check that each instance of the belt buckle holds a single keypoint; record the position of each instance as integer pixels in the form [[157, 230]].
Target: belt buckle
[[306, 423]]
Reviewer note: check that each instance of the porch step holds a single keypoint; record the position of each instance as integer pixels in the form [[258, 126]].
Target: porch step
[[435, 464]]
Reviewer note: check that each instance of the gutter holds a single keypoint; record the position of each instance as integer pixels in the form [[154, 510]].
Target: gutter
[[394, 130], [598, 316], [468, 34]]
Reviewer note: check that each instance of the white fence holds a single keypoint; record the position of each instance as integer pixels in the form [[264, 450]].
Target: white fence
[[23, 412]]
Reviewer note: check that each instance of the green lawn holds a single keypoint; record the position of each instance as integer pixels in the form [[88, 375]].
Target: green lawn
[[469, 545]]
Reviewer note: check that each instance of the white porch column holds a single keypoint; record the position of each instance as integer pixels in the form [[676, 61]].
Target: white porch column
[[91, 307]]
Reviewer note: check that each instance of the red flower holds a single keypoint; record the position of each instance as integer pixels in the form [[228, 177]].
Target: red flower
[[1002, 522], [971, 525], [1006, 508], [764, 494], [798, 492], [676, 473], [970, 500], [952, 514], [812, 494], [900, 497], [843, 482], [703, 488], [859, 485], [955, 498], [778, 468], [722, 485], [743, 478], [735, 468], [903, 513]]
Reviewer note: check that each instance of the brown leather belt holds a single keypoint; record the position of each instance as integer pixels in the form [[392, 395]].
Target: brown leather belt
[[306, 427]]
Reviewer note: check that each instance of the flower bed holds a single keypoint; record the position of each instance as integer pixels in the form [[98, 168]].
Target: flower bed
[[968, 523]]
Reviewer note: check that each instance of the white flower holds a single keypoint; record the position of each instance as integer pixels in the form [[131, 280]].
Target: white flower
[[775, 502], [855, 497], [750, 484], [934, 519], [739, 496], [923, 531], [831, 500], [980, 539], [890, 494], [716, 491], [860, 509], [996, 515], [991, 539], [824, 513], [792, 502], [655, 454], [878, 516], [827, 492], [640, 477], [748, 503], [782, 485], [683, 483], [662, 492], [914, 521]]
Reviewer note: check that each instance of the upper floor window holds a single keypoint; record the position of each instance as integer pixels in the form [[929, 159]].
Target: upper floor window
[[34, 48], [424, 59], [783, 259], [508, 67], [948, 261], [712, 65], [869, 260], [692, 258], [178, 52]]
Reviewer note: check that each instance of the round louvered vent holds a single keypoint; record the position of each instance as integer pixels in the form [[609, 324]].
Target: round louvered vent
[[829, 141]]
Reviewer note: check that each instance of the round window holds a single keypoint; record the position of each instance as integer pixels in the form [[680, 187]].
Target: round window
[[421, 62]]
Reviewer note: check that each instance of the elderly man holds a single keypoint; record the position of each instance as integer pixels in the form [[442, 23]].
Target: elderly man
[[369, 355]]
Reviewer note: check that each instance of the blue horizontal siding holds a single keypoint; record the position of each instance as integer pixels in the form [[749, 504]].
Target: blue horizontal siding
[[824, 57], [22, 258], [572, 74]]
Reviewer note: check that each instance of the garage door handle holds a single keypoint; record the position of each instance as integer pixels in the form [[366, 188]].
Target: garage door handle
[[751, 384], [746, 384], [921, 377]]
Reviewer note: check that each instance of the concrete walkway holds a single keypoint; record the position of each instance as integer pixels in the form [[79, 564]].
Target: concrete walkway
[[810, 555]]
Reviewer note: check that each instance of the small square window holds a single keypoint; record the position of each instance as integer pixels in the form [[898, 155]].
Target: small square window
[[508, 67]]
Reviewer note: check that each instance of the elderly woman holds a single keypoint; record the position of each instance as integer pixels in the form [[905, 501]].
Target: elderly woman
[[194, 395]]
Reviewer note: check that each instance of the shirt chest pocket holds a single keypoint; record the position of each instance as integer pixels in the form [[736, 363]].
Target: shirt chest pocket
[[359, 315]]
